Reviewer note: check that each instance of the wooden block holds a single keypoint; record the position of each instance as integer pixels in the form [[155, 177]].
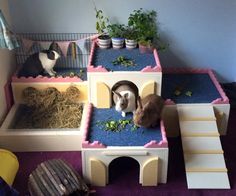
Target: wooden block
[[150, 172], [98, 172], [148, 88], [103, 95]]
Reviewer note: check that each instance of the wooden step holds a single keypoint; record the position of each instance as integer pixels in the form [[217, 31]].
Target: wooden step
[[196, 113], [204, 162], [202, 145], [207, 180], [196, 128]]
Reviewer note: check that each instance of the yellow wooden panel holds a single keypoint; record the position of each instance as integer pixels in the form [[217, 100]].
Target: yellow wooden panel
[[203, 151], [197, 119], [206, 170], [98, 172], [103, 95], [148, 88], [219, 118], [150, 172], [19, 87], [202, 134]]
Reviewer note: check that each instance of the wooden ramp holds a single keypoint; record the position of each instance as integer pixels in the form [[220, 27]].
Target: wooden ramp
[[203, 155]]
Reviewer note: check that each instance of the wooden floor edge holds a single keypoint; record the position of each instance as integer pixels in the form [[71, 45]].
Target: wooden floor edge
[[203, 152], [206, 170]]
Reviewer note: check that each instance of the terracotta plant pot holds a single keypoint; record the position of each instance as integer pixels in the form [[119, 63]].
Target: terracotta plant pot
[[117, 43], [104, 41], [130, 44], [145, 49]]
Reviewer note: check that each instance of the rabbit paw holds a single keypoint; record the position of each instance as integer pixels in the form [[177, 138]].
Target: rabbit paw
[[123, 114]]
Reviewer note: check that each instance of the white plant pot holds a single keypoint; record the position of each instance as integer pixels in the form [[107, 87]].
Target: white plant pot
[[130, 44], [104, 43], [117, 42]]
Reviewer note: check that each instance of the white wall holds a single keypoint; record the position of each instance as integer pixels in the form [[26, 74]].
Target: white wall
[[201, 33], [7, 63]]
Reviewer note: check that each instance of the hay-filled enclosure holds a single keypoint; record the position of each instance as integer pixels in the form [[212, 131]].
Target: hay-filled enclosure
[[45, 117], [49, 108]]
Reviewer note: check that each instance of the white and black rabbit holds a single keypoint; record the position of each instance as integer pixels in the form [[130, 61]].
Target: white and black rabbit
[[40, 62], [125, 97]]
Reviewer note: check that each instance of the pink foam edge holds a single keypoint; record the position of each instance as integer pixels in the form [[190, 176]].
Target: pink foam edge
[[157, 67], [41, 78], [169, 102], [163, 143], [85, 142], [90, 67], [223, 100]]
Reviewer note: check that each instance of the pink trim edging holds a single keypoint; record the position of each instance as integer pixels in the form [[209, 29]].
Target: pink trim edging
[[184, 70], [156, 68], [224, 99], [96, 69], [169, 102], [90, 67], [163, 143], [41, 78], [95, 144], [85, 142]]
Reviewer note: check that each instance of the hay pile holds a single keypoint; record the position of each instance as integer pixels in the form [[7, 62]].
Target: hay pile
[[50, 108]]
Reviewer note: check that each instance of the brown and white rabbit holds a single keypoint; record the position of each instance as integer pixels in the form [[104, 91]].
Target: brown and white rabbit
[[40, 62], [125, 97], [148, 112]]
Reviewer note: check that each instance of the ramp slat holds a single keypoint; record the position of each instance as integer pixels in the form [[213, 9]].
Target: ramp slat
[[203, 155]]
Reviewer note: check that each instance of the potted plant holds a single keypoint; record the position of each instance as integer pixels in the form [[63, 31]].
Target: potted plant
[[104, 41], [116, 32], [145, 22], [131, 36]]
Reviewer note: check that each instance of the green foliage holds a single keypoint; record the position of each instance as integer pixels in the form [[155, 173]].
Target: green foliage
[[121, 60], [101, 23], [131, 33], [116, 125], [116, 30], [144, 22]]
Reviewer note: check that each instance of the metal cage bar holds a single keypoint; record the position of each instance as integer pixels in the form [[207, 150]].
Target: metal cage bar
[[68, 61]]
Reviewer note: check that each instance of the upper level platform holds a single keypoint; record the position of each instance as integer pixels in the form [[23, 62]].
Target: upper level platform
[[101, 60]]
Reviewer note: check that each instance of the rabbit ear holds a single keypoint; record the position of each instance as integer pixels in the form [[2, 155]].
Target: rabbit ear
[[126, 95], [139, 102], [146, 105], [118, 94]]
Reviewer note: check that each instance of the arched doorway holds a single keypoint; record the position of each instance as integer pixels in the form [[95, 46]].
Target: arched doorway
[[126, 84], [123, 171]]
